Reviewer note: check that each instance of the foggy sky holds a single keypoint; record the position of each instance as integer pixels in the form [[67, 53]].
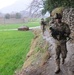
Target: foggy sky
[[19, 5]]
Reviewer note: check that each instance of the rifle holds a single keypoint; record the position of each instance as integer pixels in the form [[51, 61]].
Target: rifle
[[61, 35], [54, 33]]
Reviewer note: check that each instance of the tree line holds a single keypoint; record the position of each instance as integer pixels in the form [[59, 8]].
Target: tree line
[[16, 15], [49, 5]]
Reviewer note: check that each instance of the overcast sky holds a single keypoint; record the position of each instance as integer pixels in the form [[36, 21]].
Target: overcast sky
[[4, 3], [16, 5]]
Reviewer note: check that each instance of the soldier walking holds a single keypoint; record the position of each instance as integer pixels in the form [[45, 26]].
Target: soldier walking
[[43, 24], [60, 32]]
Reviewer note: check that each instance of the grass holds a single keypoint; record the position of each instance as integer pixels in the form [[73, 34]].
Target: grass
[[15, 26], [14, 45]]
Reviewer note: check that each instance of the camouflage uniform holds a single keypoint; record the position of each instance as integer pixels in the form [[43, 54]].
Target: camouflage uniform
[[60, 47], [43, 24]]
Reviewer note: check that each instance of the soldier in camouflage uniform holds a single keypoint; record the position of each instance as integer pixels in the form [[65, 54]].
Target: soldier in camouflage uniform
[[43, 24], [60, 31]]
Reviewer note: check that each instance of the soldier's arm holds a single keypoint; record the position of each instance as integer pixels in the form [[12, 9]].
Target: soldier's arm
[[67, 30], [51, 22]]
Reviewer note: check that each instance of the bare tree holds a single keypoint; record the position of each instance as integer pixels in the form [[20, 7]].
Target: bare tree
[[35, 8]]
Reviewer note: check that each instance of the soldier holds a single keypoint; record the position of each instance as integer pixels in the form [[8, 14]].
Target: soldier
[[60, 32], [43, 24]]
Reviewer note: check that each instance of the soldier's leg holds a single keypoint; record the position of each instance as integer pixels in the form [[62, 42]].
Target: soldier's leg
[[58, 51], [63, 52], [42, 29]]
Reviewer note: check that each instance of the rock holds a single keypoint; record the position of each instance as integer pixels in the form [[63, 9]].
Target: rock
[[23, 28], [68, 17]]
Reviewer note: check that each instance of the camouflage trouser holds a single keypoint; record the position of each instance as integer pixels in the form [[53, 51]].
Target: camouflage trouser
[[43, 28], [60, 49]]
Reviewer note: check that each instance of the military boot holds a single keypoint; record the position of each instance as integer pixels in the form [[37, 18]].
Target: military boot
[[57, 70]]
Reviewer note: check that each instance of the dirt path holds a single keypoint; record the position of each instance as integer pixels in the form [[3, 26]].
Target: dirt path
[[17, 29]]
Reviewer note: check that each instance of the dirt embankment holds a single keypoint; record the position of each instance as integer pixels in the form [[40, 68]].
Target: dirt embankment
[[37, 56]]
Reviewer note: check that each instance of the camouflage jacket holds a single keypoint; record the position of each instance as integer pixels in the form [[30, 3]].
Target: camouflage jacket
[[43, 23], [60, 29]]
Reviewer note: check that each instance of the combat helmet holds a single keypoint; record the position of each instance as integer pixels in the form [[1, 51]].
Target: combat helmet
[[57, 13], [42, 19]]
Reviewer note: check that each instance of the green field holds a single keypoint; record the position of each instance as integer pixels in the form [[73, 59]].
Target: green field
[[15, 26], [14, 45]]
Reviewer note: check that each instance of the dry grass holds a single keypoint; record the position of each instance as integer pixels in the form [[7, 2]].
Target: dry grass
[[38, 54], [37, 34]]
